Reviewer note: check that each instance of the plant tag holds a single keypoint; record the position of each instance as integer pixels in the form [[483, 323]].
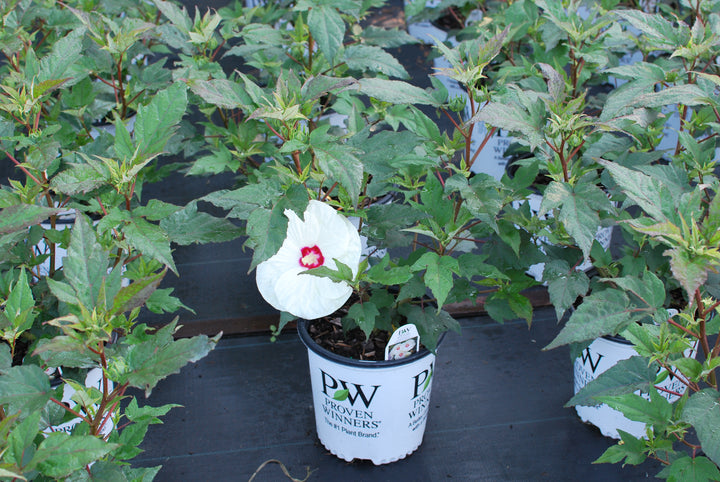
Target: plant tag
[[404, 342]]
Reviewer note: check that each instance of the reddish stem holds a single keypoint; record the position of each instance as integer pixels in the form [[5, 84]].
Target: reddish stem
[[490, 133], [671, 392], [77, 414], [462, 132], [280, 136], [22, 168], [217, 50], [679, 326]]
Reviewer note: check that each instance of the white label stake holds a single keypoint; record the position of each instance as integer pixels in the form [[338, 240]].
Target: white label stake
[[404, 342]]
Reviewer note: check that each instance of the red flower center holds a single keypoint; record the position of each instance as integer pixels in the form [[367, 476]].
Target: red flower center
[[311, 257]]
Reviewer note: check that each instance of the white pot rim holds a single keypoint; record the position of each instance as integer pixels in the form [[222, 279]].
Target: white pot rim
[[310, 344]]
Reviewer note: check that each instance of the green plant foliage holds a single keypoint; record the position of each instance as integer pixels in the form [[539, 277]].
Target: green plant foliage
[[72, 294]]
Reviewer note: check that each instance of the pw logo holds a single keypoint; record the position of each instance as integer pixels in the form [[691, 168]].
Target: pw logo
[[587, 358], [345, 390]]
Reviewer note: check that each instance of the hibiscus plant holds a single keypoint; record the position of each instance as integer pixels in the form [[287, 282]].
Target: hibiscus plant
[[82, 252], [329, 141], [616, 109]]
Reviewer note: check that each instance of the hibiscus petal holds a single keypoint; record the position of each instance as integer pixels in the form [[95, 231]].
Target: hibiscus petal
[[269, 271], [310, 297], [340, 239]]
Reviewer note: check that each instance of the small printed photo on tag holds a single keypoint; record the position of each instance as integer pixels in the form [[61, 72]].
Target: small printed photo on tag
[[404, 342]]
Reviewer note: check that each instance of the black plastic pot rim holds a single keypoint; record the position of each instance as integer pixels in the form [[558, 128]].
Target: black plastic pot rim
[[617, 339], [328, 355]]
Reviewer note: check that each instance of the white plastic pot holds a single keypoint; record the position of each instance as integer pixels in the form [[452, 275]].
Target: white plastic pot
[[371, 410], [602, 354]]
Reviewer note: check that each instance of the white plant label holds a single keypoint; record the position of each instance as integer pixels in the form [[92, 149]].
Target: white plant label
[[403, 342]]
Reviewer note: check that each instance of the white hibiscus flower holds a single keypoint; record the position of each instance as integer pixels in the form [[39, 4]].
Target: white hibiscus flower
[[319, 239]]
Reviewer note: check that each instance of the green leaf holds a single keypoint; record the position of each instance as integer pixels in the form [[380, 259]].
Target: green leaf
[[108, 471], [134, 433], [124, 147], [512, 118], [65, 52], [63, 291], [342, 273], [662, 32], [25, 389], [630, 448], [646, 191], [159, 356], [649, 289], [483, 197], [162, 301], [364, 314], [188, 226], [146, 413], [373, 59], [396, 92], [578, 206], [222, 93], [11, 475], [20, 303], [439, 272], [690, 271], [520, 305], [178, 16], [78, 179], [266, 229], [155, 210], [66, 352], [340, 164], [61, 454], [387, 38], [242, 202], [555, 81], [565, 284], [689, 469], [86, 263], [5, 358], [316, 87], [20, 216], [141, 474], [602, 313], [430, 322], [20, 440], [702, 411], [689, 367], [656, 412], [473, 265], [136, 294], [150, 240], [327, 28], [685, 94], [387, 275], [157, 121], [417, 122]]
